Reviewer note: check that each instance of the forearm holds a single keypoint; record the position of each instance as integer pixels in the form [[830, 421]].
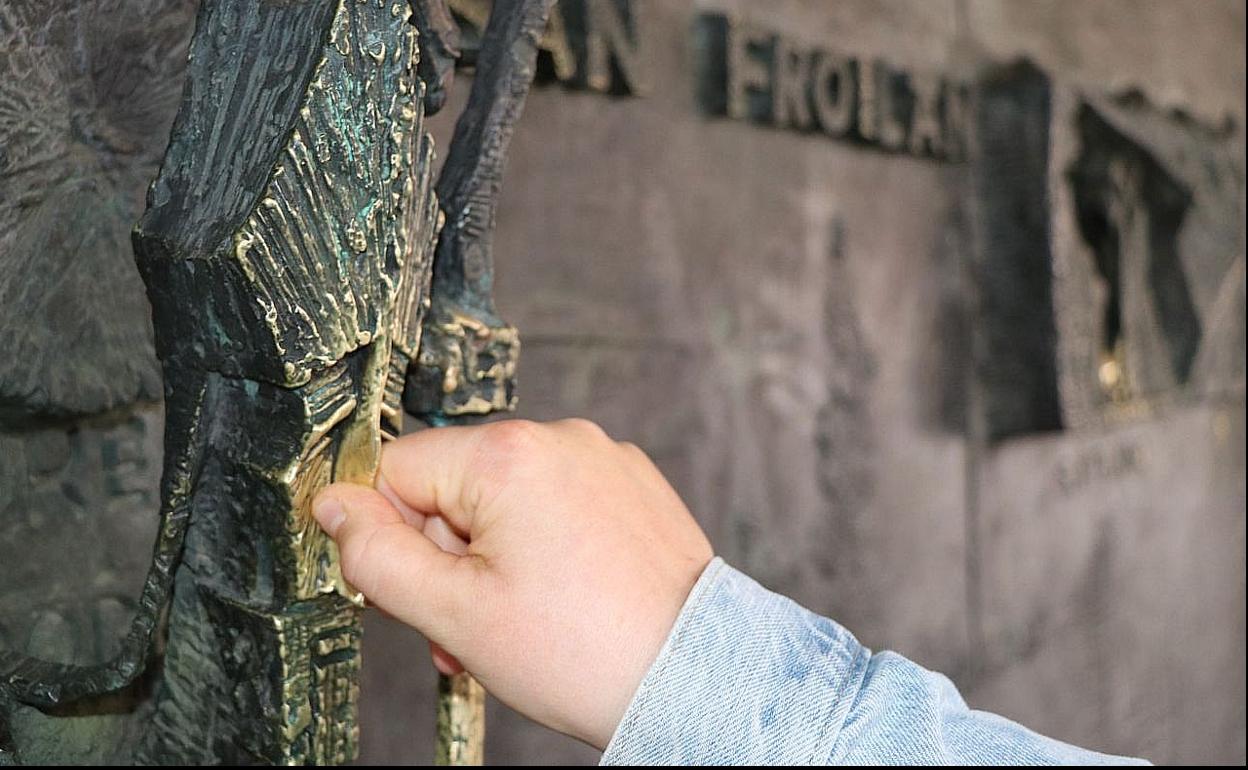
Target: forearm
[[749, 677]]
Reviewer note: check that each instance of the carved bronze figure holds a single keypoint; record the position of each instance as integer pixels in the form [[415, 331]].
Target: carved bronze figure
[[291, 252]]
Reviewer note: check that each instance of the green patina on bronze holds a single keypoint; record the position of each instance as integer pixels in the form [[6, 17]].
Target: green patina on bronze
[[288, 253]]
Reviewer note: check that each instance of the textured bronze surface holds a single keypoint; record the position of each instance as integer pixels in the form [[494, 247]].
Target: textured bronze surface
[[467, 360], [287, 250], [276, 253], [461, 721], [87, 92], [467, 363]]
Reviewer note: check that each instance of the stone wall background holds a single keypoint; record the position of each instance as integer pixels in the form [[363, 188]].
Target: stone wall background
[[784, 322]]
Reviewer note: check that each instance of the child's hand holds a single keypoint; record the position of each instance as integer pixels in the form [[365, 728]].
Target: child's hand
[[548, 559]]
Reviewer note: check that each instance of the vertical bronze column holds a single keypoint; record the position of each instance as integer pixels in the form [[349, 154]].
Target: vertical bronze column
[[467, 360], [461, 721]]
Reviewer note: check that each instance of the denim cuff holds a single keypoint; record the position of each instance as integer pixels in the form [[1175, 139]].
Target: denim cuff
[[746, 676]]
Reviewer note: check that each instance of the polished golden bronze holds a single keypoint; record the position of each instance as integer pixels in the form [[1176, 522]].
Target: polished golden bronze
[[288, 250], [461, 721]]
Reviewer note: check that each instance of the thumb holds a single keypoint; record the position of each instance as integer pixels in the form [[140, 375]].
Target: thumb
[[396, 566]]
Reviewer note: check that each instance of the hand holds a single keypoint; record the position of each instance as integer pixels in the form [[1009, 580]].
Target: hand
[[547, 559]]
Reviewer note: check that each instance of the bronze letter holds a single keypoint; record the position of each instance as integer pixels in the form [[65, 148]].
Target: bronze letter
[[790, 101], [833, 92], [608, 39], [748, 76], [925, 129]]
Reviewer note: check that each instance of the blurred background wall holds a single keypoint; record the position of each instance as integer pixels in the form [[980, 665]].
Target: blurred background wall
[[829, 348], [953, 353]]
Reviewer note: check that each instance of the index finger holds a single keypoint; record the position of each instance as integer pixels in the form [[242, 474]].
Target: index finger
[[432, 472]]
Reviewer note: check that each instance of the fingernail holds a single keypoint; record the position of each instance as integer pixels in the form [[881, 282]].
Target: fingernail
[[329, 513]]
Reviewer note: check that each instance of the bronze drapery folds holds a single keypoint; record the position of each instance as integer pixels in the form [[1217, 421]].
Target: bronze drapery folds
[[294, 255]]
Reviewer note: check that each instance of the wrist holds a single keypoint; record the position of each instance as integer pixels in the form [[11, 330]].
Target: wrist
[[659, 650], [644, 646]]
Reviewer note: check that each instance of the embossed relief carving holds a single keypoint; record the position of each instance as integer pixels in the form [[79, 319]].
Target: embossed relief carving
[[1155, 197], [87, 92], [467, 361], [1110, 266], [275, 256], [287, 250]]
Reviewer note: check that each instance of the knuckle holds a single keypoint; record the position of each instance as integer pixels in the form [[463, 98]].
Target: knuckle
[[634, 452], [585, 427], [505, 448], [506, 441]]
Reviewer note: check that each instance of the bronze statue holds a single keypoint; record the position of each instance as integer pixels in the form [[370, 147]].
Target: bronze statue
[[294, 249]]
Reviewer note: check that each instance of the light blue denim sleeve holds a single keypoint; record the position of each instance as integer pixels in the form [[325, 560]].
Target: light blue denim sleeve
[[749, 677]]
